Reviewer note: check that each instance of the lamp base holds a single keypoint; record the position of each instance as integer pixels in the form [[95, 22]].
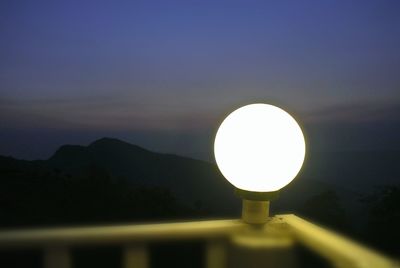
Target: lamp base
[[255, 212], [255, 208]]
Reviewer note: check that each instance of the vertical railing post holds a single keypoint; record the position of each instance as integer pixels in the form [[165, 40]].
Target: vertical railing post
[[136, 256], [56, 257], [215, 254]]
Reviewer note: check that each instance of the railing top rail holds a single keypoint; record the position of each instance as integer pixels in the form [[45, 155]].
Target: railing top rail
[[340, 250], [119, 233]]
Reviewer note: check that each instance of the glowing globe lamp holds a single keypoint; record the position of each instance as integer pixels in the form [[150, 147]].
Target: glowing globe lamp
[[259, 148]]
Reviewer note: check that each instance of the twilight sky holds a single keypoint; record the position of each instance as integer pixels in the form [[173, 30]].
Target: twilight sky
[[162, 74]]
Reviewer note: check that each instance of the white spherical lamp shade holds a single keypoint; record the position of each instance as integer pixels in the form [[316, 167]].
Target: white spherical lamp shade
[[259, 148]]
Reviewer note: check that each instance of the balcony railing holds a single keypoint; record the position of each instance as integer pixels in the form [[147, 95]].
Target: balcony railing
[[279, 231]]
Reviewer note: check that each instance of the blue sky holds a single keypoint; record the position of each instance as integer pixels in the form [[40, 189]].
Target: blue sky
[[162, 74]]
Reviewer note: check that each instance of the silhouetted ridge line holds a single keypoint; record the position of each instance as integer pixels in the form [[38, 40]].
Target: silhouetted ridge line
[[195, 182], [69, 150], [111, 143]]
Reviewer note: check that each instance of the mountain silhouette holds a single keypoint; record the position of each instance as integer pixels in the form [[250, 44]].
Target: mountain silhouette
[[199, 184], [194, 181]]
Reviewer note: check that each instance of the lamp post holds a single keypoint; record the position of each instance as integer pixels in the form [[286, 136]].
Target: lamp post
[[259, 148]]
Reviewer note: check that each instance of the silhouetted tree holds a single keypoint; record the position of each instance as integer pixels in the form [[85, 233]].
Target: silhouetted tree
[[384, 219]]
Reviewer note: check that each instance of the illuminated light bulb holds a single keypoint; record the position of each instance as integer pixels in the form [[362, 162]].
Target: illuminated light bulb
[[259, 148]]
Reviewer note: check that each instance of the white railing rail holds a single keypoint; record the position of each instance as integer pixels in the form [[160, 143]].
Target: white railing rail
[[134, 239]]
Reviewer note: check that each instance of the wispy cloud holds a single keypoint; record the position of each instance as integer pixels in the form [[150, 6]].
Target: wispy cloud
[[355, 113], [101, 112]]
